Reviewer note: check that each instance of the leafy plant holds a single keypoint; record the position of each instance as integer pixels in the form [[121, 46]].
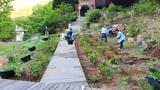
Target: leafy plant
[[6, 24], [93, 57], [92, 15], [123, 82], [155, 75], [92, 78], [34, 68], [114, 8], [104, 69], [14, 66], [144, 7], [133, 31], [143, 84]]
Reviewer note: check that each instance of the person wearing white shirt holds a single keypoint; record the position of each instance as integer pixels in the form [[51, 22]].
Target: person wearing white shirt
[[104, 32]]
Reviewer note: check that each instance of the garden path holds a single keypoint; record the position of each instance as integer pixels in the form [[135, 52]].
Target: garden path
[[65, 66], [64, 72]]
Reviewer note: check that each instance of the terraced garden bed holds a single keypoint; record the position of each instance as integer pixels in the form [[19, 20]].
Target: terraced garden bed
[[105, 66], [27, 64]]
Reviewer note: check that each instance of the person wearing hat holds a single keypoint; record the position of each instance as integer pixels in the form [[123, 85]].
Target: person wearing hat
[[120, 38]]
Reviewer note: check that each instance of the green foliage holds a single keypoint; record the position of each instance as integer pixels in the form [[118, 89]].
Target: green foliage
[[132, 30], [114, 8], [92, 15], [14, 65], [34, 67], [144, 85], [123, 81], [42, 55], [155, 75], [43, 15], [92, 78], [104, 69], [50, 46], [93, 57], [56, 3], [6, 24], [144, 7], [156, 37]]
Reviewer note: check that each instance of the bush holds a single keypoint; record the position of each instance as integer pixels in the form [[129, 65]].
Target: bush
[[92, 78], [144, 8], [93, 57], [92, 15], [106, 70], [133, 31], [7, 31], [114, 8], [34, 68]]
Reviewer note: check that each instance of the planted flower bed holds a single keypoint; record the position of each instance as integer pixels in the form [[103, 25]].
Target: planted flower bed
[[28, 66], [105, 65]]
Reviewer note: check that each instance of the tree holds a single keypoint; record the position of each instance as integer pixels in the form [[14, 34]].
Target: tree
[[43, 15], [6, 24], [56, 3]]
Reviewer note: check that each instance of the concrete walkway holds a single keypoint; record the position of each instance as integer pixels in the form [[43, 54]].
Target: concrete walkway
[[65, 66]]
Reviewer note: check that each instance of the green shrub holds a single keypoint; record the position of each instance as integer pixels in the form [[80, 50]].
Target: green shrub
[[156, 37], [123, 81], [106, 70], [114, 8], [154, 75], [92, 78], [34, 68], [144, 85], [132, 30], [14, 65], [93, 57], [92, 15], [144, 8]]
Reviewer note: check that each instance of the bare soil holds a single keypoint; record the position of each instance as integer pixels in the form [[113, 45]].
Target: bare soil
[[131, 66]]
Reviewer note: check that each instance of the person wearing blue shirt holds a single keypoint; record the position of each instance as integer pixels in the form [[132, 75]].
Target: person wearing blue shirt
[[120, 38]]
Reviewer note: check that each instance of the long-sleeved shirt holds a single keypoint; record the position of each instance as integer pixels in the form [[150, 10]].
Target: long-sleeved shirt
[[104, 30], [120, 36]]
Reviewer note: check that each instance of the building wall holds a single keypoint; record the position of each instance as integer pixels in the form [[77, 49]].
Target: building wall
[[90, 3], [102, 3]]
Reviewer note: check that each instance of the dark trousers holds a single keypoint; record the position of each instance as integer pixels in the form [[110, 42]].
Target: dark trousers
[[121, 44], [103, 37]]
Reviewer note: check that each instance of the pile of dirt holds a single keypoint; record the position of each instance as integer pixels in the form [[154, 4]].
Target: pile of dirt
[[155, 51]]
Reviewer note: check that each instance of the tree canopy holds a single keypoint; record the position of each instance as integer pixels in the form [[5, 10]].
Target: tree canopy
[[6, 24], [56, 3], [44, 15]]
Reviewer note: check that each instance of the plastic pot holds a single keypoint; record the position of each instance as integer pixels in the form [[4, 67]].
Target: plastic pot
[[45, 39], [152, 81], [26, 58], [70, 42], [7, 74], [153, 70], [157, 87], [32, 48]]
